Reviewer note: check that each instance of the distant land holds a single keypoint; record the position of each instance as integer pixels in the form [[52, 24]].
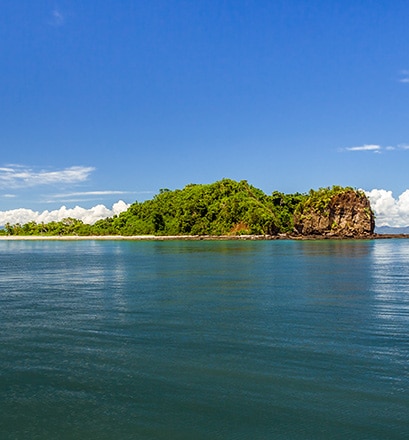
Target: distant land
[[390, 230]]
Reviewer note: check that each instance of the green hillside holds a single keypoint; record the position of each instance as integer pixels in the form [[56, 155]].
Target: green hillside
[[226, 207]]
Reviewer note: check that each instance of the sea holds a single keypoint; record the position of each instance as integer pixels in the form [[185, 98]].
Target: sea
[[204, 340]]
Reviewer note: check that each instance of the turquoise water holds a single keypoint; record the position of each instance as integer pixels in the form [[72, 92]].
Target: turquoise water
[[204, 340]]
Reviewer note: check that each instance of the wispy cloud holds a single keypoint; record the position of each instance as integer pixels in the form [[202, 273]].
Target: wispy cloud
[[90, 193], [19, 176], [57, 18], [404, 76], [370, 147], [374, 148], [83, 196]]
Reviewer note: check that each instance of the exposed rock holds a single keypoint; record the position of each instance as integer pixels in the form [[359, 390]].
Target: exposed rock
[[347, 214]]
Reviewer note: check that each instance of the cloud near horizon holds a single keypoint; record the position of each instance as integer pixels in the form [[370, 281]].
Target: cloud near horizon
[[388, 210], [89, 216], [20, 176]]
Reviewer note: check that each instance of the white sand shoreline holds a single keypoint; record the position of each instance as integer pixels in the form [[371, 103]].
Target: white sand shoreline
[[131, 237], [192, 237]]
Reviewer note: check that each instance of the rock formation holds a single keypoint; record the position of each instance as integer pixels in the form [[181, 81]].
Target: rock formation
[[347, 213]]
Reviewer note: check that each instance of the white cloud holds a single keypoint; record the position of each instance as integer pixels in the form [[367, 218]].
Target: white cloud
[[119, 207], [388, 210], [89, 216], [374, 148], [90, 193], [81, 194], [365, 148], [18, 176], [86, 196]]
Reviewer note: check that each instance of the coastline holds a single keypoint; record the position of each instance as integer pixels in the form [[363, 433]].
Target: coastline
[[193, 237], [135, 237]]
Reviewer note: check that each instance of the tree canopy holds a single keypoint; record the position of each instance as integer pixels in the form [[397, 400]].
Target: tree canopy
[[226, 207]]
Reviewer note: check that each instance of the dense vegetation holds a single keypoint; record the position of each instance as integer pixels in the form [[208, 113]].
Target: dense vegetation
[[318, 200], [225, 207]]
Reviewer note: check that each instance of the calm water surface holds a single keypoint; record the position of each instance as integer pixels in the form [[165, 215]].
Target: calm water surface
[[204, 340]]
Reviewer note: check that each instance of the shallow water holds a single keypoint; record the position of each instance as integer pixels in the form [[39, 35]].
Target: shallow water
[[204, 340]]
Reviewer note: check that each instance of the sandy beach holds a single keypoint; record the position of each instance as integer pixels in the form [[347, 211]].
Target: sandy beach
[[136, 237], [191, 237]]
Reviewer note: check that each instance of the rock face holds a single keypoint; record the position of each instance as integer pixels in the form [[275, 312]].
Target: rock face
[[347, 214]]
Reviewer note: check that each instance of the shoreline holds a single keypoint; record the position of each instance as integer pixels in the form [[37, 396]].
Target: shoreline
[[137, 237], [192, 237]]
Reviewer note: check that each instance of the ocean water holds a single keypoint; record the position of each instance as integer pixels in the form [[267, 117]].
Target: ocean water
[[204, 340]]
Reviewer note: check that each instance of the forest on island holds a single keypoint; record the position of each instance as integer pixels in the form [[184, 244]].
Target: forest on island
[[226, 207]]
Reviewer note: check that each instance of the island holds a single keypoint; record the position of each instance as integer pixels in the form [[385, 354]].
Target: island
[[225, 209]]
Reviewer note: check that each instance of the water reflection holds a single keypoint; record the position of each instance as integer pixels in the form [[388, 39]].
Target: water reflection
[[336, 248], [390, 280]]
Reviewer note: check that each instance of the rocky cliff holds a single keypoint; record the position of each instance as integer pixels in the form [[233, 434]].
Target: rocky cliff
[[346, 213]]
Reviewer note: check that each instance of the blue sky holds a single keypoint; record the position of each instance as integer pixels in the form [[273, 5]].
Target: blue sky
[[112, 100]]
